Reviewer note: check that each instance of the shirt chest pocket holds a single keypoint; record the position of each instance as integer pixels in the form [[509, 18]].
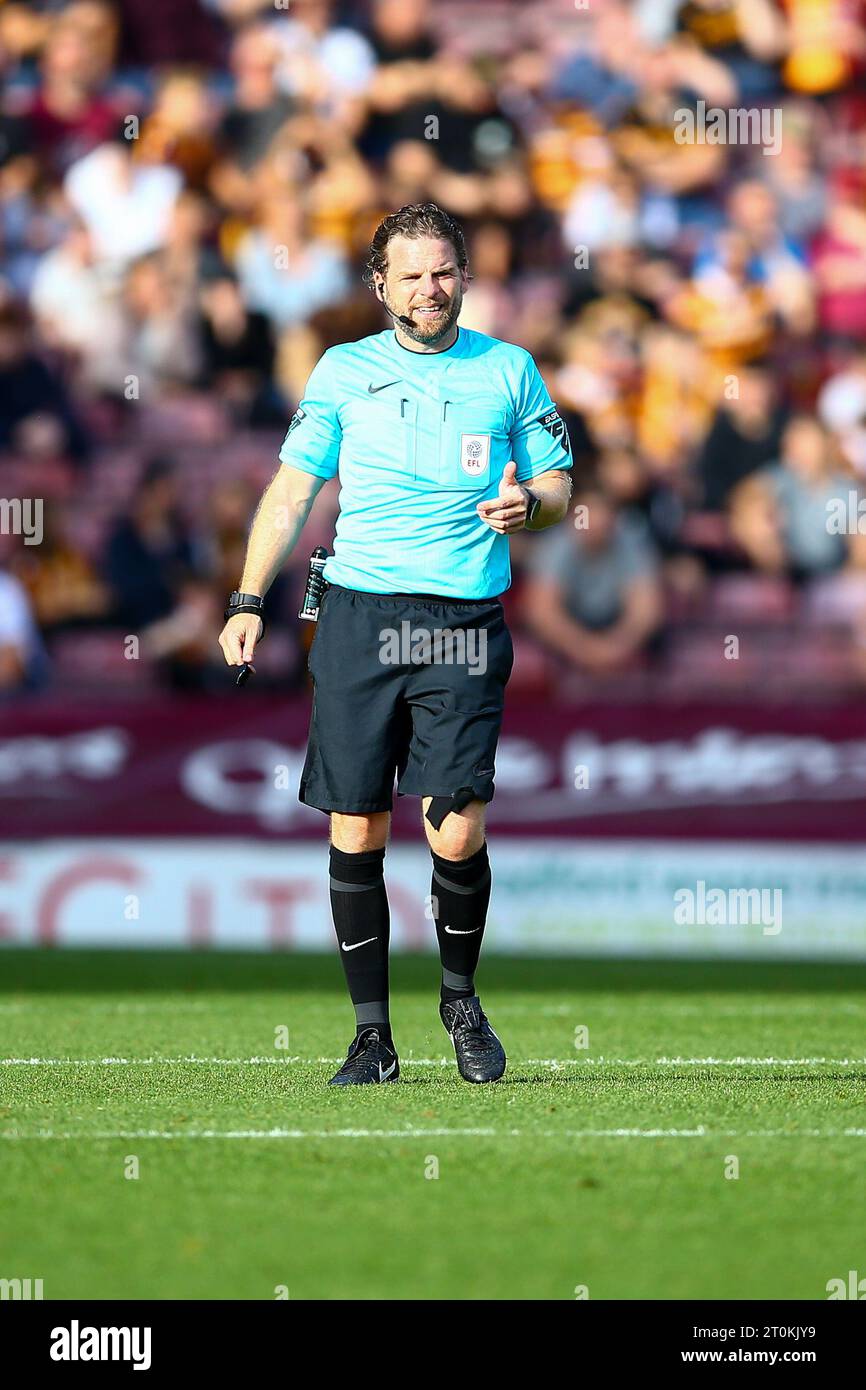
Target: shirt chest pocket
[[473, 444], [382, 434]]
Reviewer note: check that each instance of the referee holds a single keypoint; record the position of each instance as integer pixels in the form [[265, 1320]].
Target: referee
[[445, 441]]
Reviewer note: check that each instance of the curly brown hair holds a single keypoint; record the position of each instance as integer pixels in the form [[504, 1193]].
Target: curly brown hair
[[413, 220]]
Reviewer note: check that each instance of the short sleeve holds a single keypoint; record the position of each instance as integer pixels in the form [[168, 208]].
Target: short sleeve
[[313, 439], [539, 438]]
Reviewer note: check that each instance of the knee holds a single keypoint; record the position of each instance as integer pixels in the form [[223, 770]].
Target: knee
[[353, 834], [459, 836]]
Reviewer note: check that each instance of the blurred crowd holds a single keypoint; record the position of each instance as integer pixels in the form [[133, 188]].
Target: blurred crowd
[[187, 192]]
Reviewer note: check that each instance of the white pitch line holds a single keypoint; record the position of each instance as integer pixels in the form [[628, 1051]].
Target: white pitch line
[[253, 1134], [474, 1133], [552, 1062]]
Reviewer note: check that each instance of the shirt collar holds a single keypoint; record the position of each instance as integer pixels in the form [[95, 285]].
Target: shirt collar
[[446, 354]]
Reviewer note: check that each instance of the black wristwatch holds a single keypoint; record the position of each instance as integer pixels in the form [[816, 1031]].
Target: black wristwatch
[[245, 603], [533, 504]]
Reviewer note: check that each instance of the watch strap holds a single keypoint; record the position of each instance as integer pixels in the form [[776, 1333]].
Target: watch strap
[[237, 597], [533, 503], [240, 602]]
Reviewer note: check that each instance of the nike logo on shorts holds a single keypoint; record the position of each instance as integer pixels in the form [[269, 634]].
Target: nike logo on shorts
[[346, 947], [373, 389], [452, 931]]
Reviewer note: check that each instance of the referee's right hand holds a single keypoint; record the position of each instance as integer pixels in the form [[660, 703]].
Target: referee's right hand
[[239, 637]]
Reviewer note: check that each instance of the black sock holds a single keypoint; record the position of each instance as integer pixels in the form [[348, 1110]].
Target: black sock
[[461, 892], [359, 905]]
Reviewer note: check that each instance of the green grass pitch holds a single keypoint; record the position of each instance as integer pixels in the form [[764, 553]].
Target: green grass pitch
[[601, 1167]]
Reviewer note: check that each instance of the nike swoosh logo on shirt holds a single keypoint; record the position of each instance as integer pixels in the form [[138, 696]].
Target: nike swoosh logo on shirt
[[373, 389], [452, 931], [354, 947], [383, 1075]]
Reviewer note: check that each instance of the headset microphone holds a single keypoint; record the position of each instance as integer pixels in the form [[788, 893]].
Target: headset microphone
[[401, 318]]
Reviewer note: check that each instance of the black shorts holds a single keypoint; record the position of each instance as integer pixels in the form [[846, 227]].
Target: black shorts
[[394, 694]]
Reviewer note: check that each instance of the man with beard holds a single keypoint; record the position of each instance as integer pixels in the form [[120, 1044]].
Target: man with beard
[[435, 432]]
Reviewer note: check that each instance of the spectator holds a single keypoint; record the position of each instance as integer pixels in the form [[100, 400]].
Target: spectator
[[323, 65], [780, 515], [22, 658], [774, 261], [62, 585], [748, 36], [401, 33], [793, 176], [675, 403], [78, 310], [149, 551], [282, 271], [32, 220], [594, 594], [126, 206], [745, 435], [222, 541], [258, 108], [839, 259], [36, 415], [164, 348], [189, 256], [842, 409], [237, 349], [72, 112], [727, 307], [182, 642], [180, 130]]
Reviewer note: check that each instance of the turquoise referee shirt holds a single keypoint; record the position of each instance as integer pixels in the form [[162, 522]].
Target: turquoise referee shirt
[[418, 440]]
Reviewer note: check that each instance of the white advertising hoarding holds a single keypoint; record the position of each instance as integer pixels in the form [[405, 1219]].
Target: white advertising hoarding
[[595, 897]]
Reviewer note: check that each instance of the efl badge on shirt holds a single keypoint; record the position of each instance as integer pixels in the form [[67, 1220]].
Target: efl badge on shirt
[[474, 453]]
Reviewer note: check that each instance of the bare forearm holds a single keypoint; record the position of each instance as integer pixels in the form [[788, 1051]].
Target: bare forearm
[[554, 492], [275, 531]]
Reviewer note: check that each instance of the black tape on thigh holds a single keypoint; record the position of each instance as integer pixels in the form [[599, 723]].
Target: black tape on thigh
[[441, 806]]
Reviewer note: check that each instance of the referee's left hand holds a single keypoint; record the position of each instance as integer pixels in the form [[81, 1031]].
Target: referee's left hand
[[507, 512]]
